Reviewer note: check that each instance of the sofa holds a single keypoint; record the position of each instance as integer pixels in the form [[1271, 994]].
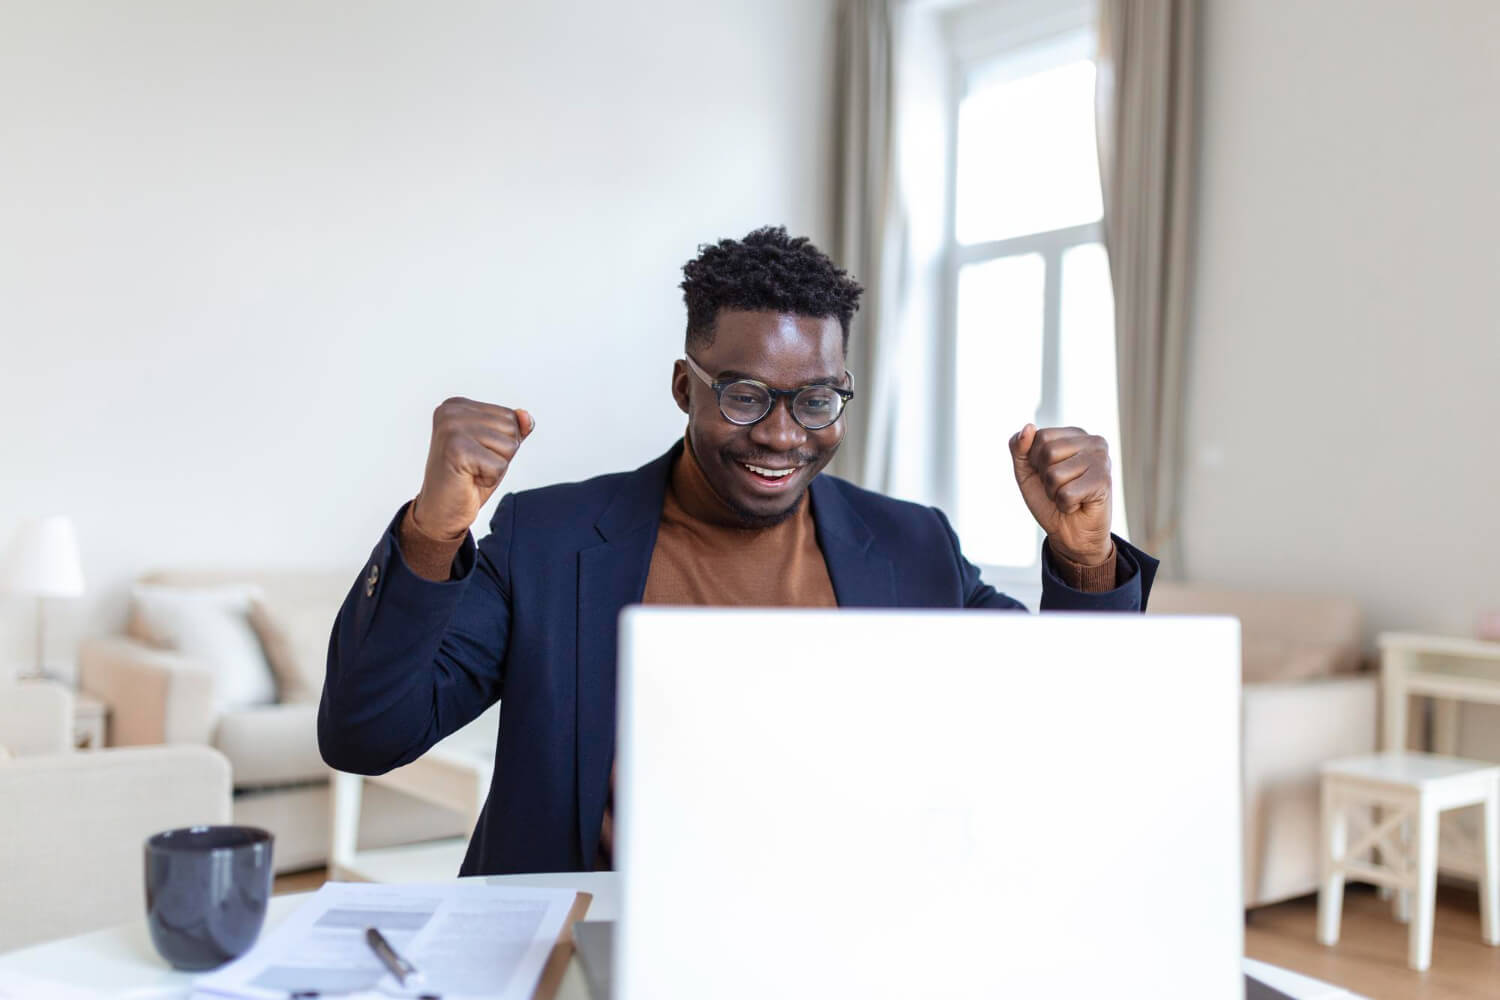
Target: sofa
[[1309, 695], [158, 694]]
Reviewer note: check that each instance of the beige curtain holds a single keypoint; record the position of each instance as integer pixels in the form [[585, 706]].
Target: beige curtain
[[1147, 66], [868, 229]]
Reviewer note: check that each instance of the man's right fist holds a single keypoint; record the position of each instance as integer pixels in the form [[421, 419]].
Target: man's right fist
[[472, 445]]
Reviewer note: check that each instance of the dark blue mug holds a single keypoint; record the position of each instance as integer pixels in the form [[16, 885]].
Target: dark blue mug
[[206, 893]]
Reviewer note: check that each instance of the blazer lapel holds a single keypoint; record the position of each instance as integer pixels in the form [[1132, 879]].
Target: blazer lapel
[[611, 575], [862, 577]]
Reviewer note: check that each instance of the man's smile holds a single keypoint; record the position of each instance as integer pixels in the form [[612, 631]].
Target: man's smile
[[770, 477]]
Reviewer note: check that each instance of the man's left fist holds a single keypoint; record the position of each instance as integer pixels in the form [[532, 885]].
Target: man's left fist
[[1063, 473]]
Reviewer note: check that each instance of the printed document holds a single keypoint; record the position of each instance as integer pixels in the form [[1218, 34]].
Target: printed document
[[470, 941]]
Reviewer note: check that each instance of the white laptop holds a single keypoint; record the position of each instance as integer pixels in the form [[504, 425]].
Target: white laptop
[[927, 804]]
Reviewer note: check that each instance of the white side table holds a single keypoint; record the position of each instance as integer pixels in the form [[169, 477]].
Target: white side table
[[1447, 669], [90, 722], [1412, 790], [455, 774]]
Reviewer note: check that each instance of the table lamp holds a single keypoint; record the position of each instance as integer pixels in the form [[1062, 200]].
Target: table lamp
[[43, 560]]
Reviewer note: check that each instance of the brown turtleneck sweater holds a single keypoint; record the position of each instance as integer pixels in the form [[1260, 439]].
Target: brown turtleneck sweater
[[705, 556]]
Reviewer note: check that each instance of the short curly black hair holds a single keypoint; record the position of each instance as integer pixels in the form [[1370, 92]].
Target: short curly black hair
[[766, 270]]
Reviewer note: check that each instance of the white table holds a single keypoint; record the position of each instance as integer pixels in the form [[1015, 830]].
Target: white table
[[454, 774], [121, 962], [1448, 669]]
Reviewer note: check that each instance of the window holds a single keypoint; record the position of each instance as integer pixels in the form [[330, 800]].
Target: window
[[1031, 317]]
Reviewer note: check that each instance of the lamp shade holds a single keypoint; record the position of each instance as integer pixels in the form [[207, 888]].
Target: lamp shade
[[43, 559]]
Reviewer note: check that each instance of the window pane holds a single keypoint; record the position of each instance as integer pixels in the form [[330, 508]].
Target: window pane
[[1027, 162], [999, 388], [1086, 356]]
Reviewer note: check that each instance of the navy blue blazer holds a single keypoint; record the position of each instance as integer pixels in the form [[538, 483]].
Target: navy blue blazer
[[531, 617]]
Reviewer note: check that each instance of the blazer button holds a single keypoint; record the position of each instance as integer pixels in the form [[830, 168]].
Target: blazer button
[[370, 581]]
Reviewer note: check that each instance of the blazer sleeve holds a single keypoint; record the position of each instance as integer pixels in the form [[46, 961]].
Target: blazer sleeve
[[976, 593], [1134, 574], [411, 660]]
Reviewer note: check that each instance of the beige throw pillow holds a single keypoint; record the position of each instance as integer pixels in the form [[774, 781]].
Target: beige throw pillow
[[211, 626], [296, 643]]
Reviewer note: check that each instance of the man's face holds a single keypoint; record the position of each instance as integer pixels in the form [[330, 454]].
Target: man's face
[[785, 352]]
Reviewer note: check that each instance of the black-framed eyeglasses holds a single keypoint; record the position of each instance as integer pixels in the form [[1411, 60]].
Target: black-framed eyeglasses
[[745, 401]]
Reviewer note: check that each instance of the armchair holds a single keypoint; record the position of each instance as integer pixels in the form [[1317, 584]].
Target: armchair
[[72, 825]]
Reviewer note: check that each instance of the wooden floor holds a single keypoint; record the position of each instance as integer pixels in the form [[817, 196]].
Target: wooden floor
[[1370, 957], [299, 881]]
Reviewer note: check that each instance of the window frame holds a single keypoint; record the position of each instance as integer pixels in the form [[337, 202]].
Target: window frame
[[989, 43]]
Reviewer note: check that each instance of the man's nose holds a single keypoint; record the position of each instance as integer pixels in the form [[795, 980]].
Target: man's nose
[[777, 430]]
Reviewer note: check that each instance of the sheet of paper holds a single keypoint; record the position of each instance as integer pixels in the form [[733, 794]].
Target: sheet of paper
[[470, 941]]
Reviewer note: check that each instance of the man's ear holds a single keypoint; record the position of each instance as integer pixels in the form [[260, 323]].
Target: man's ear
[[680, 377]]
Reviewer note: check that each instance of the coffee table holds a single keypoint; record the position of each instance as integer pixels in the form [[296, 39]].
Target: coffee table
[[455, 774]]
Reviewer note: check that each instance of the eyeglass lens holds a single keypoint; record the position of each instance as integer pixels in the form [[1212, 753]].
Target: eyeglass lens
[[815, 407]]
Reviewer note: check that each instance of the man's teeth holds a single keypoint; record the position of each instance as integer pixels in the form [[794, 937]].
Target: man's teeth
[[769, 473]]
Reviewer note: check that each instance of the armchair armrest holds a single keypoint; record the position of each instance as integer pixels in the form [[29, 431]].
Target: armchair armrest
[[155, 695]]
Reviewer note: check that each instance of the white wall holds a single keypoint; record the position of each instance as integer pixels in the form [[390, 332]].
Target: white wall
[[246, 247], [1344, 412]]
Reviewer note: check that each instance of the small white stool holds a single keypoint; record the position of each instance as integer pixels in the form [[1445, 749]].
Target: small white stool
[[1412, 790]]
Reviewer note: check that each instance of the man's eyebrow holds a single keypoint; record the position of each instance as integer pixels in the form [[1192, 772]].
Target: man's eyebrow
[[732, 374]]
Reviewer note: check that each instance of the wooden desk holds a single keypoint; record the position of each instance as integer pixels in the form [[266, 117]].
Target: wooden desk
[[1447, 669]]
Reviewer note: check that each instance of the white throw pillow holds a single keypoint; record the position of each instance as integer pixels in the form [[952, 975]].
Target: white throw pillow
[[211, 626]]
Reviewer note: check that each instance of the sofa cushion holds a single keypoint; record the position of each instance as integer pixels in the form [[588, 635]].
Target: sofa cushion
[[211, 625], [272, 745], [1269, 659], [295, 637], [1283, 636]]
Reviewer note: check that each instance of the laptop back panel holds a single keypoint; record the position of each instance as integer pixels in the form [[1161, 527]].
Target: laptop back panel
[[899, 804]]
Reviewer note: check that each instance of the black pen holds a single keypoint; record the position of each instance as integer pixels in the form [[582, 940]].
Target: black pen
[[398, 966]]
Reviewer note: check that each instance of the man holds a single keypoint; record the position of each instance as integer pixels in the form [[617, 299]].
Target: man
[[437, 629]]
